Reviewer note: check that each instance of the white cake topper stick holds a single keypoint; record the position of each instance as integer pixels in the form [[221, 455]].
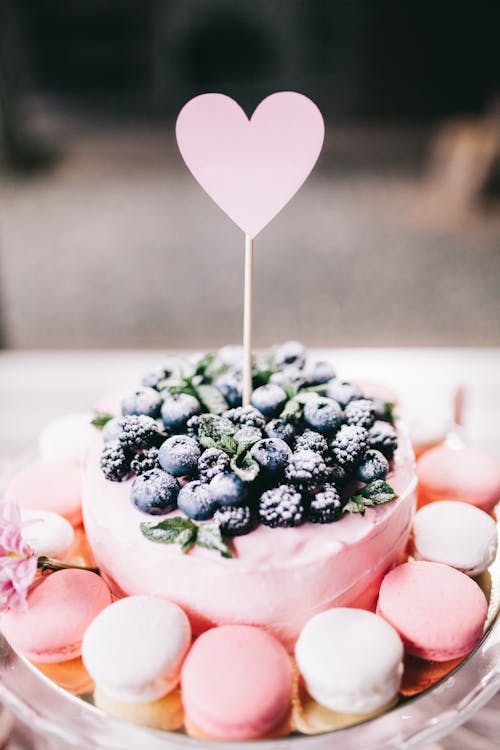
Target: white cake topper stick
[[247, 321], [250, 168]]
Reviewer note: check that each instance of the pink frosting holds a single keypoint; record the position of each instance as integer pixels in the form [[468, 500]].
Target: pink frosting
[[279, 577]]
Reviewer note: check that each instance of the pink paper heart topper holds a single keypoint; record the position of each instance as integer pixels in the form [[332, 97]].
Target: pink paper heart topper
[[250, 168]]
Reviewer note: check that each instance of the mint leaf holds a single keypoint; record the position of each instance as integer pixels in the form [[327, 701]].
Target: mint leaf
[[245, 467], [204, 364], [375, 493], [262, 376], [389, 411], [290, 389], [175, 530], [215, 431], [211, 398], [101, 418], [209, 536], [293, 411]]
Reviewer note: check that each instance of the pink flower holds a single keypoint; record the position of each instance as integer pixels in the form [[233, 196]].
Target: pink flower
[[18, 564]]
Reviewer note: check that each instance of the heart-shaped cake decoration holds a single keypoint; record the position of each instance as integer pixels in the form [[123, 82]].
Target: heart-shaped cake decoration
[[250, 168]]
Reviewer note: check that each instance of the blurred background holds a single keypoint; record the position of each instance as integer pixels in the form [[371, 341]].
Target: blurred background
[[107, 241]]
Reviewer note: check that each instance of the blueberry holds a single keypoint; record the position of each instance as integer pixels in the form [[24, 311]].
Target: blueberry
[[155, 492], [343, 392], [179, 455], [230, 386], [227, 489], [290, 376], [373, 466], [291, 353], [280, 428], [269, 399], [272, 455], [230, 355], [323, 415], [195, 502], [111, 430], [142, 401], [177, 409], [318, 373], [383, 437]]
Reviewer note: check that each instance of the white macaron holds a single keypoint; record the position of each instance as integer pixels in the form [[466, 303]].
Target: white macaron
[[456, 534], [351, 660], [66, 438], [47, 533], [134, 648]]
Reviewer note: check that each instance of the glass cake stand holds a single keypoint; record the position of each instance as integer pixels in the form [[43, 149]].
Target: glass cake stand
[[65, 721]]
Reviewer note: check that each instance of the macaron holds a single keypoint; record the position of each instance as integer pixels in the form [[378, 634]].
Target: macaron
[[59, 611], [66, 438], [457, 534], [462, 473], [47, 533], [351, 660], [48, 486], [134, 649], [438, 611], [236, 684], [164, 713]]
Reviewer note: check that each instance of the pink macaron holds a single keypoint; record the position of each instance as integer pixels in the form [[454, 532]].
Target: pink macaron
[[48, 486], [438, 611], [236, 683], [467, 474], [59, 611]]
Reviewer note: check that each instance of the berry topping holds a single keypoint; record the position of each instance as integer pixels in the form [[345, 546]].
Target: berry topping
[[290, 376], [115, 462], [291, 353], [313, 441], [325, 506], [248, 435], [343, 392], [139, 431], [318, 373], [212, 462], [230, 355], [272, 455], [373, 466], [305, 467], [192, 425], [360, 412], [195, 502], [349, 445], [234, 520], [227, 489], [280, 428], [155, 492], [323, 415], [144, 461], [179, 455], [142, 401], [230, 386], [383, 437], [281, 506], [269, 399], [247, 416], [177, 409], [111, 430]]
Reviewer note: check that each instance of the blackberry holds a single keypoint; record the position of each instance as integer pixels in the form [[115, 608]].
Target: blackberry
[[349, 445], [290, 354], [249, 435], [281, 506], [322, 414], [115, 462], [212, 462], [325, 506], [269, 399], [142, 401], [343, 392], [234, 520], [337, 473], [246, 416], [146, 460], [383, 437], [192, 425], [155, 492], [280, 428], [360, 412], [373, 466], [305, 467], [139, 431], [313, 441]]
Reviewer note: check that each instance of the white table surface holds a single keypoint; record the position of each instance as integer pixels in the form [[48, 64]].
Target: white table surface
[[36, 386]]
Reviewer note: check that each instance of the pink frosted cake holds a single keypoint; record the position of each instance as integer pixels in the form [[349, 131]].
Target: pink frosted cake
[[279, 575]]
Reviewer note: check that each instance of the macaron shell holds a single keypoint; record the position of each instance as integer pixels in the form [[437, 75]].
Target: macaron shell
[[49, 486], [165, 713], [70, 675], [59, 610], [66, 438], [466, 474], [438, 611], [456, 534], [47, 533], [236, 683]]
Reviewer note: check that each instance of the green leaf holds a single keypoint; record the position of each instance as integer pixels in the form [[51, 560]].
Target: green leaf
[[215, 431], [290, 389], [209, 536], [293, 411], [175, 530], [204, 364], [389, 411], [245, 466], [321, 389], [211, 398], [101, 418], [262, 376], [375, 493]]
